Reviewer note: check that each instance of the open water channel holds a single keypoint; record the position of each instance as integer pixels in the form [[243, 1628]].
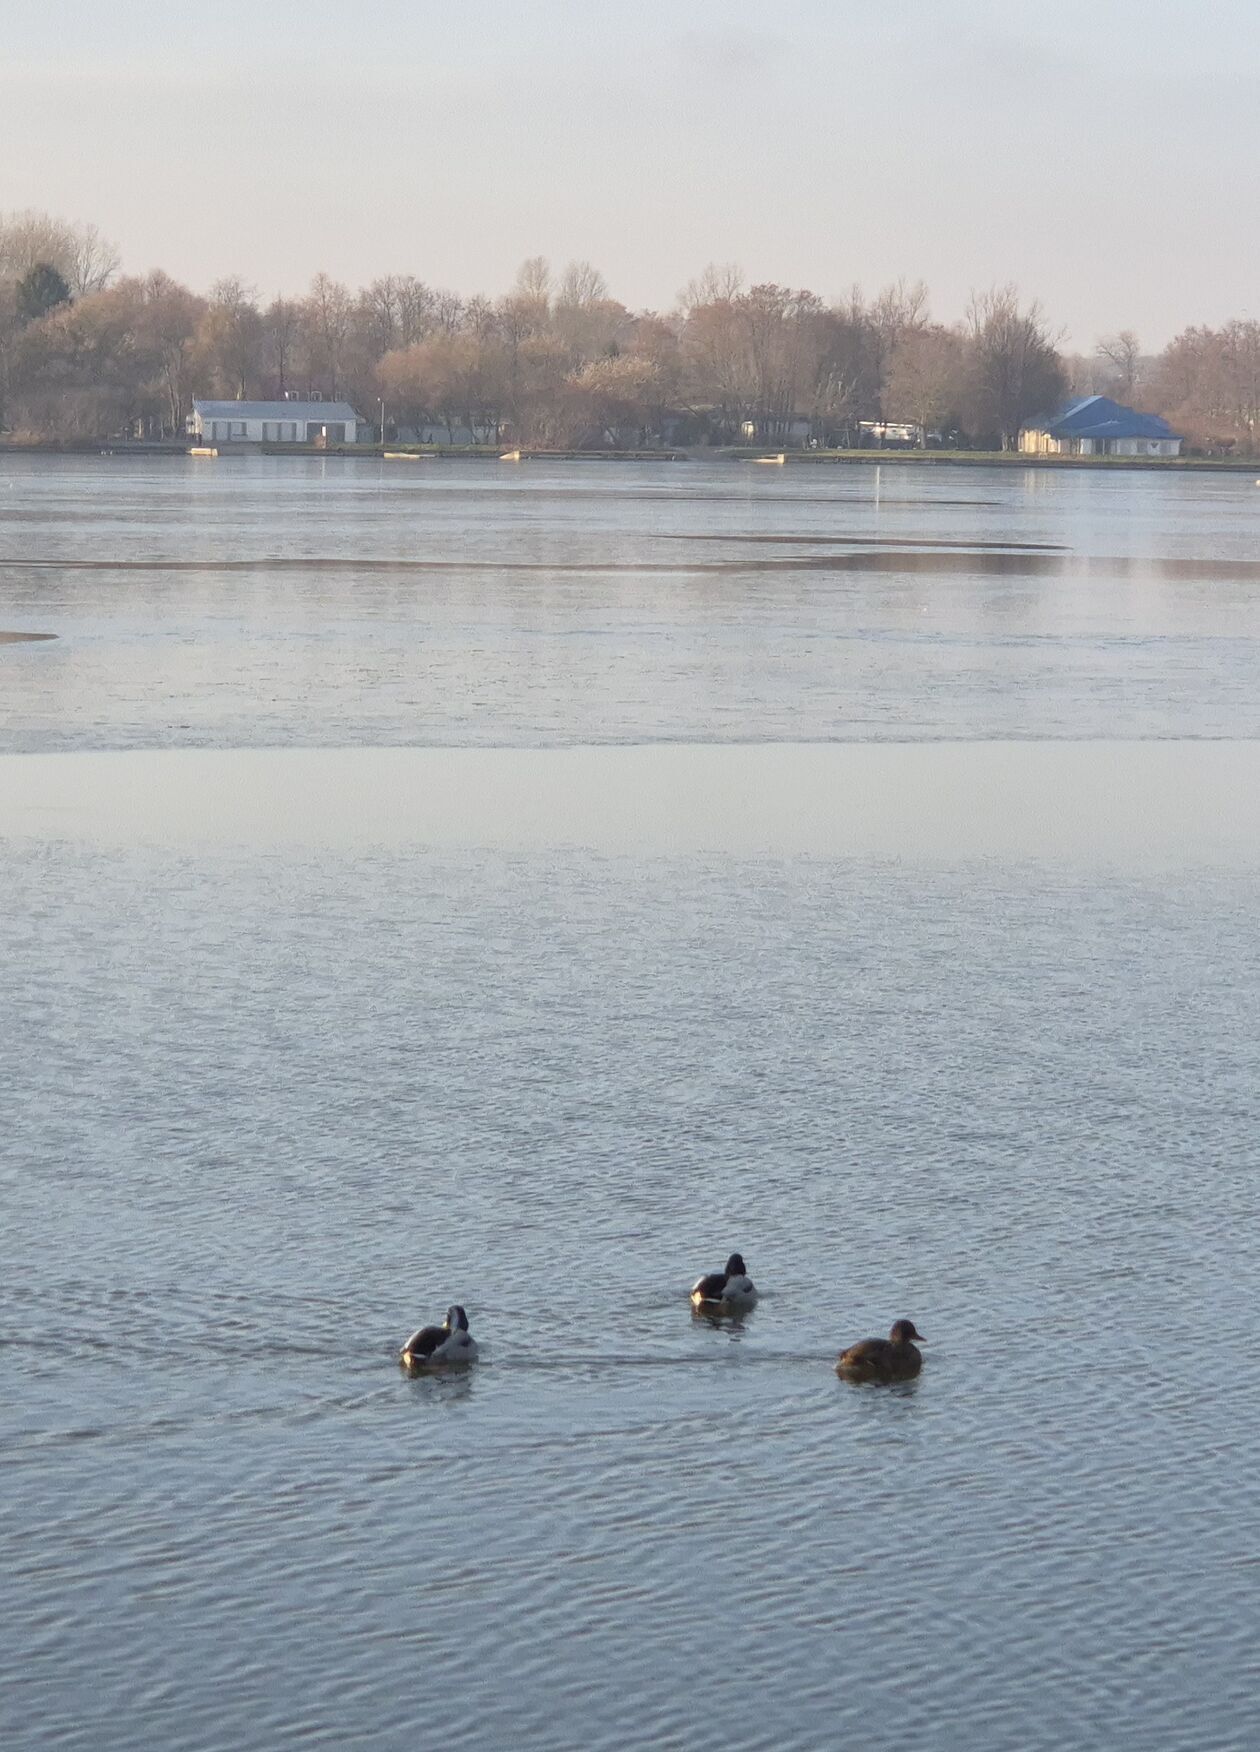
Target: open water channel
[[521, 886]]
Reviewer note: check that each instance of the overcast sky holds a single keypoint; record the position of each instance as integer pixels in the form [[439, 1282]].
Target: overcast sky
[[1101, 153]]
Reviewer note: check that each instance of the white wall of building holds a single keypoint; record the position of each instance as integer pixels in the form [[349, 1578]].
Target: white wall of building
[[276, 431], [1144, 447], [218, 430], [1034, 443]]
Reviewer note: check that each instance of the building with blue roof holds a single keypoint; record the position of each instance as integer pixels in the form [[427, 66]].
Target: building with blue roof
[[1094, 425]]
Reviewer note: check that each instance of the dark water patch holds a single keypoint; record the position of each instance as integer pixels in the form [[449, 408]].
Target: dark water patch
[[968, 544], [971, 560]]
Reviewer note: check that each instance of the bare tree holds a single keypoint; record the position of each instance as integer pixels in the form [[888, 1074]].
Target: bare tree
[[230, 336], [326, 320], [771, 355], [394, 311], [1013, 369], [1207, 382], [10, 334], [281, 333], [925, 377], [85, 260], [451, 378], [533, 280], [414, 302], [1240, 358], [95, 260], [81, 371], [719, 283], [717, 368], [1123, 354], [167, 329], [898, 310], [580, 285], [846, 384], [613, 400], [558, 357], [448, 312]]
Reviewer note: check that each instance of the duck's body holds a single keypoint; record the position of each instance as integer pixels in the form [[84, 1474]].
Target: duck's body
[[895, 1358], [449, 1343], [729, 1291]]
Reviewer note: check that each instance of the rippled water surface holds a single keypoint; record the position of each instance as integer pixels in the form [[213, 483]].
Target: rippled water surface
[[275, 1096]]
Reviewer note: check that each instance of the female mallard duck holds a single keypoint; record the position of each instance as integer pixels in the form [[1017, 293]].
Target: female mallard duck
[[451, 1342], [894, 1358], [724, 1292]]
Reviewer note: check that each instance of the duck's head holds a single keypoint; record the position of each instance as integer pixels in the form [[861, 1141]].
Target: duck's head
[[735, 1266], [456, 1319], [903, 1332]]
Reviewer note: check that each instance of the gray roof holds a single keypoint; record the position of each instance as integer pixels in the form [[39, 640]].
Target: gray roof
[[274, 410]]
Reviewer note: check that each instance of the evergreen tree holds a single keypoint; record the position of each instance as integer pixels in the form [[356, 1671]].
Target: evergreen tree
[[40, 290]]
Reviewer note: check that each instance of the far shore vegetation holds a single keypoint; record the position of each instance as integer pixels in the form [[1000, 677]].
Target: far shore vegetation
[[558, 363]]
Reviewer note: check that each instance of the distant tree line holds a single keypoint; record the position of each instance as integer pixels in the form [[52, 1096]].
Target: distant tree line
[[86, 352]]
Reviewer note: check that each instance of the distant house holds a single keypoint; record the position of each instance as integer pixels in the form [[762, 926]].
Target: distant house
[[1097, 426], [276, 422], [795, 429], [890, 434]]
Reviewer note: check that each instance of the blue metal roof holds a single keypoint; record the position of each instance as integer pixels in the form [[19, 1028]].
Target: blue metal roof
[[1097, 416]]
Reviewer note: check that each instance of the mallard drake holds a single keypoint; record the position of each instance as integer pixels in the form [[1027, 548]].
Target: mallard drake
[[727, 1291], [449, 1343], [894, 1358]]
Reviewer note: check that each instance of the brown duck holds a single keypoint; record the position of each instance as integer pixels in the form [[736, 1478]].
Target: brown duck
[[895, 1358]]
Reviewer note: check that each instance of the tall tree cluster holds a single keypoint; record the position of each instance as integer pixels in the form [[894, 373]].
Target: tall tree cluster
[[557, 360], [1207, 383]]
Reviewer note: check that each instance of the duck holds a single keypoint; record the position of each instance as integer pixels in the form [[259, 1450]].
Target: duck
[[451, 1342], [725, 1291], [895, 1358]]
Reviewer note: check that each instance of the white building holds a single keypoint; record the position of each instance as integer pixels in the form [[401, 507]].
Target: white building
[[276, 422], [895, 434]]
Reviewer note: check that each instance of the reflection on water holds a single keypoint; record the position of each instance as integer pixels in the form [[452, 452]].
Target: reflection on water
[[871, 541], [274, 602], [1089, 802]]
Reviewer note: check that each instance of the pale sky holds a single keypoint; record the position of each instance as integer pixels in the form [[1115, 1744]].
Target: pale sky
[[1100, 153]]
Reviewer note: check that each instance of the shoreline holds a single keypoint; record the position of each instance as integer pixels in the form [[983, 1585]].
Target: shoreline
[[123, 449]]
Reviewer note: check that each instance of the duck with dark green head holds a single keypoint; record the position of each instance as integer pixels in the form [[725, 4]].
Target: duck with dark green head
[[729, 1291], [451, 1342]]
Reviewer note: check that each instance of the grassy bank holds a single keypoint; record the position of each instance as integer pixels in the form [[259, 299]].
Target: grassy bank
[[93, 447], [700, 453], [1000, 459]]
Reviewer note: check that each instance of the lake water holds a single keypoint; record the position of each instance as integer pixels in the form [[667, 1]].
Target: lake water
[[571, 874]]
